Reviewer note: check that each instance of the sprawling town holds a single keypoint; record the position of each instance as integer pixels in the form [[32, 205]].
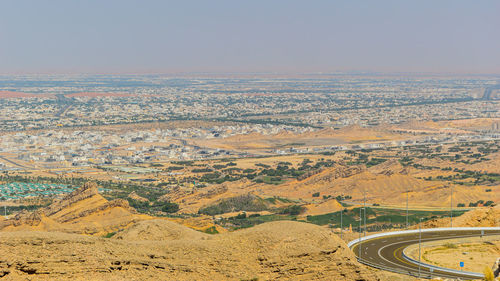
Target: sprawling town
[[124, 128]]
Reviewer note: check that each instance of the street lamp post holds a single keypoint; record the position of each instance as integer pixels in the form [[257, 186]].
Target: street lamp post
[[451, 205], [341, 224], [364, 211], [360, 220], [407, 208], [419, 244]]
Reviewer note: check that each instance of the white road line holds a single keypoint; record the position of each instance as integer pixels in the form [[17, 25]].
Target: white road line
[[425, 239]]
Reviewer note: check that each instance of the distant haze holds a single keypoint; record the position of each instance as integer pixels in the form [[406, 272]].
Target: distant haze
[[288, 36]]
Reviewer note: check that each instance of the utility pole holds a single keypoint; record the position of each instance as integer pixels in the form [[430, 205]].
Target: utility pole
[[451, 205], [407, 191]]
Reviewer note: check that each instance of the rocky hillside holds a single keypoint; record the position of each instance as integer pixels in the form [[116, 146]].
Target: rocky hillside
[[82, 211], [386, 184], [271, 251]]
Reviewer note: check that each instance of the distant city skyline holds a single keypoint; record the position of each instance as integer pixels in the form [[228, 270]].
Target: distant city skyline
[[153, 36]]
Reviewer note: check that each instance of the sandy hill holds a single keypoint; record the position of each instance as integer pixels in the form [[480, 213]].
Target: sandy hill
[[271, 251], [159, 229], [386, 184], [191, 202], [344, 180], [490, 166], [82, 211], [325, 207], [485, 217], [11, 94], [95, 94], [324, 137], [389, 167]]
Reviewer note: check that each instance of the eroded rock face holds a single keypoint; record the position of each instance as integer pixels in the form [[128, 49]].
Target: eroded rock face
[[28, 218], [336, 173], [134, 196], [207, 192], [86, 212], [88, 189], [82, 211]]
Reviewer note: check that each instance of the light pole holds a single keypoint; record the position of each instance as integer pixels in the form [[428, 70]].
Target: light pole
[[407, 191], [364, 211], [360, 220], [341, 224], [451, 205], [419, 244]]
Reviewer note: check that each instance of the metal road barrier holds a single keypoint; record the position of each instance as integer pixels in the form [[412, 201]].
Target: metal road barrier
[[444, 269]]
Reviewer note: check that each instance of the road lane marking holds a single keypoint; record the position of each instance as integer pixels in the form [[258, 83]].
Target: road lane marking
[[414, 267]]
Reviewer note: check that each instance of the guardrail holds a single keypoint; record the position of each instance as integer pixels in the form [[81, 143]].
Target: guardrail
[[391, 269], [442, 269]]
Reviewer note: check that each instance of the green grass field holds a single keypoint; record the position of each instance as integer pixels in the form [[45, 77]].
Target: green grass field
[[378, 218]]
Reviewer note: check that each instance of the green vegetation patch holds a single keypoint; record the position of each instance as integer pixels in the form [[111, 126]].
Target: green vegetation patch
[[211, 230], [378, 218], [248, 202]]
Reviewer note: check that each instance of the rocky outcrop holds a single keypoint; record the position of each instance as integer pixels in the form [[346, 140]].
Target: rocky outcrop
[[82, 211], [207, 192], [108, 205], [134, 196], [337, 172], [88, 190], [27, 218]]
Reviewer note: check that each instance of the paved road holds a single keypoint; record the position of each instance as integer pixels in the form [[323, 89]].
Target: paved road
[[387, 252], [14, 163]]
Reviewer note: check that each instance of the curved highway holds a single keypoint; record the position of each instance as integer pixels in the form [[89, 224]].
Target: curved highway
[[386, 251]]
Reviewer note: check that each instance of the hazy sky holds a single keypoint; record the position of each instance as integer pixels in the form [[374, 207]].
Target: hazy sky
[[142, 36]]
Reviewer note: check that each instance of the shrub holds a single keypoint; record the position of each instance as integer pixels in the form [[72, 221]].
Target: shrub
[[241, 216], [175, 168], [211, 230], [109, 235], [293, 210], [316, 194], [201, 170], [450, 246], [170, 207]]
